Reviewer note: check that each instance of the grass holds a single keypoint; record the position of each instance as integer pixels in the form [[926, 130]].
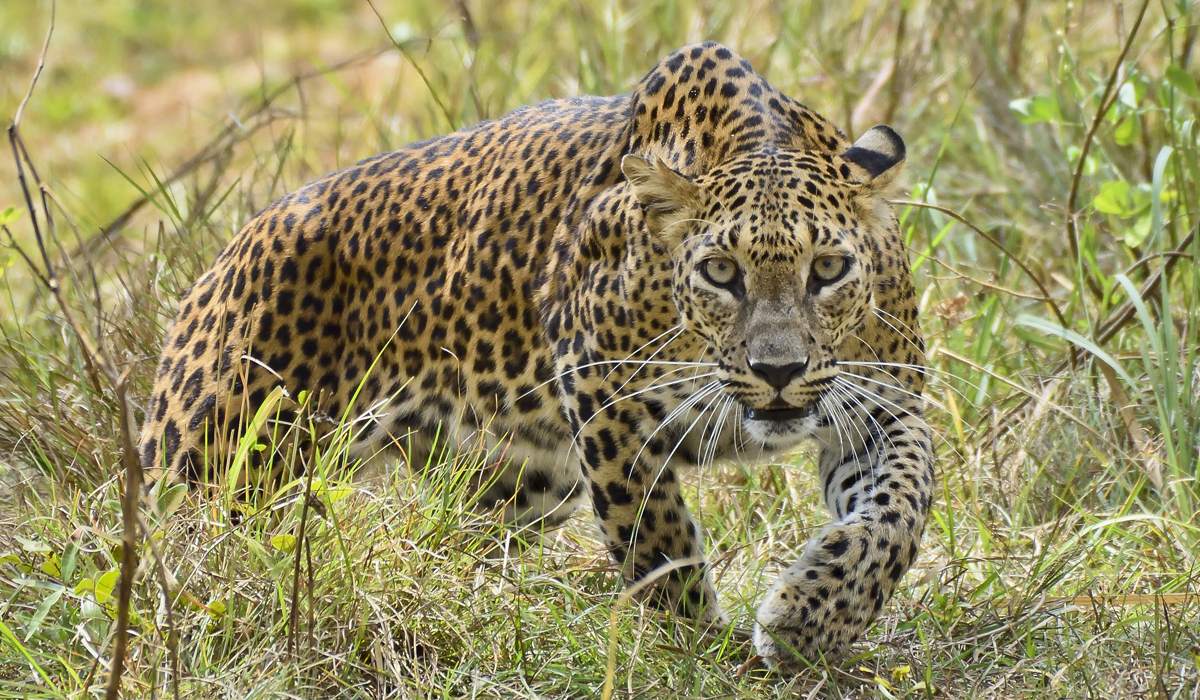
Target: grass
[[1060, 559]]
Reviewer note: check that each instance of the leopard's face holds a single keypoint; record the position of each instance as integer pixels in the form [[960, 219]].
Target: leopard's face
[[774, 267]]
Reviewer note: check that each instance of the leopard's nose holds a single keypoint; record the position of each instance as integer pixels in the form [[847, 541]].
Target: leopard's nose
[[778, 376]]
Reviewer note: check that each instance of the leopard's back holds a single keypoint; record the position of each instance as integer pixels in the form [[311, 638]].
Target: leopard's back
[[405, 278]]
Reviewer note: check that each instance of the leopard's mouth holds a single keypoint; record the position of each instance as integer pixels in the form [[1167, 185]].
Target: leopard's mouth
[[779, 411]]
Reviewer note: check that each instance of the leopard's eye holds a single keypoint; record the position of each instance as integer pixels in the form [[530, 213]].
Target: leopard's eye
[[721, 272], [828, 268]]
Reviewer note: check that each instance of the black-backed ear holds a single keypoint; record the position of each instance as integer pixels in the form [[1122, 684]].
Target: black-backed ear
[[880, 154], [666, 196]]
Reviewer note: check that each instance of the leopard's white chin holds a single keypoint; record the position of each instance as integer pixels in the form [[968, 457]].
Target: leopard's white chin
[[780, 435]]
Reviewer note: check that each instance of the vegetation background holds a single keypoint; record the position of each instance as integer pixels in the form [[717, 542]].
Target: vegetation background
[[1060, 299]]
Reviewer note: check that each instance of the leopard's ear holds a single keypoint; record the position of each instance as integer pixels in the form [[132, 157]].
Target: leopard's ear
[[666, 196], [879, 157]]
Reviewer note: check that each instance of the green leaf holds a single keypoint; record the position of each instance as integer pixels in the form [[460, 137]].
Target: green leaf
[[35, 623], [170, 498], [1117, 198], [1073, 337], [332, 492], [69, 560], [51, 567], [1036, 109], [1126, 133], [284, 543], [1128, 95], [9, 215], [33, 545], [105, 585], [1179, 79], [216, 608], [1138, 233]]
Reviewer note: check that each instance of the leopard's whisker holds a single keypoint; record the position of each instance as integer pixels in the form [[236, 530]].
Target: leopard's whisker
[[907, 333], [650, 363], [652, 387], [938, 373], [714, 441], [679, 410], [676, 329], [882, 404], [652, 356], [857, 415], [863, 391], [838, 416], [896, 387], [713, 388], [935, 371]]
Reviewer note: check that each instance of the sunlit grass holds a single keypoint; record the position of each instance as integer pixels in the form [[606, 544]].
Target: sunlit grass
[[1054, 564]]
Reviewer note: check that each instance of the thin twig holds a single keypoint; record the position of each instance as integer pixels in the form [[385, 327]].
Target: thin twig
[[990, 239], [167, 583], [425, 79], [47, 192], [37, 72], [238, 129], [1125, 312], [294, 613], [129, 459], [1106, 100], [1107, 329]]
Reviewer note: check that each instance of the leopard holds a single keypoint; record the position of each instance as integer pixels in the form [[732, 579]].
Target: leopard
[[607, 292]]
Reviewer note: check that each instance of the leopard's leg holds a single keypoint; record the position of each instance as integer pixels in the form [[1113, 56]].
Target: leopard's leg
[[879, 495], [640, 509], [538, 496]]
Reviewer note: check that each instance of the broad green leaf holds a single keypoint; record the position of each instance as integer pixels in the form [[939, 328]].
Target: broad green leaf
[[284, 543], [1158, 192], [69, 559], [10, 559], [1073, 337], [33, 545], [1182, 81], [254, 547], [105, 585], [9, 215], [52, 566], [7, 258], [1116, 198], [1036, 109], [1126, 133], [216, 608], [1128, 96], [336, 493], [332, 492], [170, 498], [249, 441], [1137, 234]]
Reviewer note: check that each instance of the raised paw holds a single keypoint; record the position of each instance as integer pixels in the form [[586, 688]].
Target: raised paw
[[820, 605], [804, 620]]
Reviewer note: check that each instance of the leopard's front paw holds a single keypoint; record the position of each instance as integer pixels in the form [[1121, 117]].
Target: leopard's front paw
[[799, 624]]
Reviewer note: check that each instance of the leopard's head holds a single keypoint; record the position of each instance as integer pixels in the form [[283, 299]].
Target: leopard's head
[[774, 256]]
